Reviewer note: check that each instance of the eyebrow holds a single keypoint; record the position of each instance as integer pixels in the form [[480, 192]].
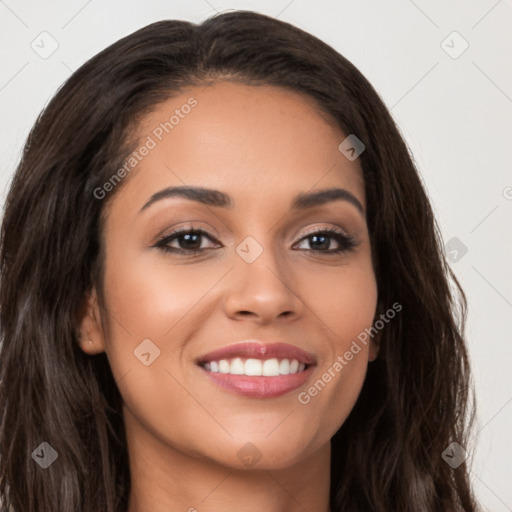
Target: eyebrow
[[211, 197]]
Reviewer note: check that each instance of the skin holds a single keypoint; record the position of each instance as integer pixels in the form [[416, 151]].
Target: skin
[[262, 146]]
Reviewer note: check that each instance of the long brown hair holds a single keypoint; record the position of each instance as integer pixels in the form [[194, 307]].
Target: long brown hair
[[415, 399]]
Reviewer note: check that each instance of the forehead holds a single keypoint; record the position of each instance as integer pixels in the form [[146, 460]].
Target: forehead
[[253, 142]]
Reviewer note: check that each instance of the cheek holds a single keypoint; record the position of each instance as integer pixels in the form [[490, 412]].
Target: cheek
[[346, 308], [154, 300], [329, 398], [343, 300]]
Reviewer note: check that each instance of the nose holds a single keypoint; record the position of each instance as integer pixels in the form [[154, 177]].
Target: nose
[[263, 290]]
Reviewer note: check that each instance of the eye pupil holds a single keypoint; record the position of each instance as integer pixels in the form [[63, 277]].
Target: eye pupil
[[193, 239], [324, 244]]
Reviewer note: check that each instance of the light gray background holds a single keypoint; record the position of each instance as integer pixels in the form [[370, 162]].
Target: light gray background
[[455, 114]]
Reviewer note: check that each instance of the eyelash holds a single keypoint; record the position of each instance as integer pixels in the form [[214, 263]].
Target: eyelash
[[347, 243]]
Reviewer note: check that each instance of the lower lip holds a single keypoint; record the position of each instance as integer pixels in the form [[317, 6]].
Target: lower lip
[[260, 387]]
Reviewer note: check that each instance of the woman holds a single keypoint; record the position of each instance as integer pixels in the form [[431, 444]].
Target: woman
[[223, 287]]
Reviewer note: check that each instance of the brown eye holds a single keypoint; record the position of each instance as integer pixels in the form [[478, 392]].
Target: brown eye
[[321, 240], [188, 241]]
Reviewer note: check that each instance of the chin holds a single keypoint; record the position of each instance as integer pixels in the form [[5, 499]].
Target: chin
[[272, 453]]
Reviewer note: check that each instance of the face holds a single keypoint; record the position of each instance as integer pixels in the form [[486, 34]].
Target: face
[[219, 334]]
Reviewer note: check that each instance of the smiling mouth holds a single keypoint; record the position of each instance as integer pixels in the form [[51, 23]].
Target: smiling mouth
[[256, 370], [255, 367]]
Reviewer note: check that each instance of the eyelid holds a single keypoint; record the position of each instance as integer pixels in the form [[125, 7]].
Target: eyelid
[[318, 229], [191, 225], [340, 235]]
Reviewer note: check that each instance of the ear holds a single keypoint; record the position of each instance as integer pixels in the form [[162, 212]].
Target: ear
[[91, 336]]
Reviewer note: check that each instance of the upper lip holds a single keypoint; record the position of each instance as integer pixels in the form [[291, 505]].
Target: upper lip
[[256, 349]]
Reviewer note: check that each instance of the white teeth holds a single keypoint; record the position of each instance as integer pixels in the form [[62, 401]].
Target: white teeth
[[255, 367], [284, 367], [237, 367], [224, 366], [271, 368]]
